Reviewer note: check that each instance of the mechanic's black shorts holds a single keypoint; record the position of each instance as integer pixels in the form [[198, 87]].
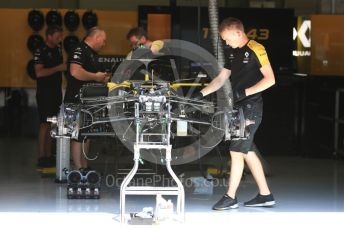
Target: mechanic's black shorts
[[253, 110], [48, 106]]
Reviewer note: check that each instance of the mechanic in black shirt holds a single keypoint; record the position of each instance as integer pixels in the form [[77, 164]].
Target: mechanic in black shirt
[[83, 68], [249, 70], [49, 65]]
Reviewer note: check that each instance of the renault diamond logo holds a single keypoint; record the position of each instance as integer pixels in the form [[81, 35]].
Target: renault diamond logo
[[306, 41]]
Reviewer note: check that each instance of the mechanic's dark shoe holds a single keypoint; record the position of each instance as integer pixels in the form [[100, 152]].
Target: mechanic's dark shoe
[[44, 162], [84, 171], [41, 162], [226, 202], [50, 161], [261, 201]]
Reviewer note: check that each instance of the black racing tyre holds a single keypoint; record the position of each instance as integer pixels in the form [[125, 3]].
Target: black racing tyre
[[70, 42], [36, 20], [53, 18], [89, 20], [34, 42], [71, 20], [30, 69]]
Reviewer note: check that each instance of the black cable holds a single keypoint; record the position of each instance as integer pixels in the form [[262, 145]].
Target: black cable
[[217, 46]]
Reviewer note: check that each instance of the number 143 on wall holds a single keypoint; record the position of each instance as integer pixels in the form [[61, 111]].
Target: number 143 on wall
[[254, 34], [258, 34]]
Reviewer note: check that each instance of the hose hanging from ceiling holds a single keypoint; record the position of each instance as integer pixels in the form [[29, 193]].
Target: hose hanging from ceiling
[[226, 95]]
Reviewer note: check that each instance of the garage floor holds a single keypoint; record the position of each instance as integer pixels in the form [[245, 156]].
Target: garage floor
[[308, 192]]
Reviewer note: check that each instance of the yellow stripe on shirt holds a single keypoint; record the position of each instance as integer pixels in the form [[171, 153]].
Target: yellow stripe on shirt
[[260, 52], [157, 45]]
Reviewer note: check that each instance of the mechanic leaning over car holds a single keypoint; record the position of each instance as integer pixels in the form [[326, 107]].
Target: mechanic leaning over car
[[138, 37], [84, 68]]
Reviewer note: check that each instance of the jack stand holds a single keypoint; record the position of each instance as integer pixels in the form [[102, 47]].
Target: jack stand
[[142, 142], [151, 190], [62, 158]]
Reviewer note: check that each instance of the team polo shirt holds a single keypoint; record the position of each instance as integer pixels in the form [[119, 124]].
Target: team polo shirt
[[245, 64], [87, 58], [49, 57]]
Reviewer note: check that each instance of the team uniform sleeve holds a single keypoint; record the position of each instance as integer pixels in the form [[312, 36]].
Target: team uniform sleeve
[[228, 63], [157, 45], [261, 55], [38, 57], [77, 57]]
